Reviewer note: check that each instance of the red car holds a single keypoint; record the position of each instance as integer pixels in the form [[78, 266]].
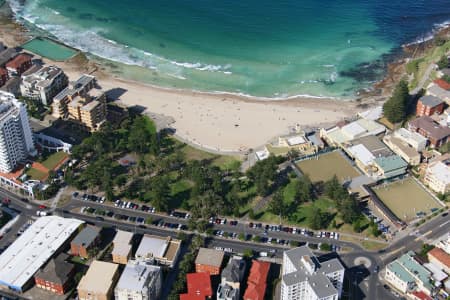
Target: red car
[[42, 206]]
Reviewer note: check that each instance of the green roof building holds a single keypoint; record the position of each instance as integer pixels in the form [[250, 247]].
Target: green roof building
[[390, 166]]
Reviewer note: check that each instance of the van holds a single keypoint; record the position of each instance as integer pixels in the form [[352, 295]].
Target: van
[[263, 254]]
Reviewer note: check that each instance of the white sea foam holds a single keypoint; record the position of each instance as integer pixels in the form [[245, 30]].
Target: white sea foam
[[92, 41]]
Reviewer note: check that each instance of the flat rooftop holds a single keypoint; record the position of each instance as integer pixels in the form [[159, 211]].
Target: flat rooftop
[[135, 275], [99, 277], [209, 257], [34, 248]]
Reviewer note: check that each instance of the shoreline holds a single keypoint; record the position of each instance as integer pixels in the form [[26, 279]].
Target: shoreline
[[220, 122]]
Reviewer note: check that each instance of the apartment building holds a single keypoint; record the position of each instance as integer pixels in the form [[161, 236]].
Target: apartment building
[[304, 277], [16, 138], [428, 128], [122, 247], [429, 105], [99, 281], [232, 279], [437, 176], [75, 88], [19, 64], [209, 261], [88, 111], [139, 281], [407, 275], [44, 84]]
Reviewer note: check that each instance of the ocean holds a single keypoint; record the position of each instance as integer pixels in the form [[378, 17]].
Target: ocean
[[276, 49]]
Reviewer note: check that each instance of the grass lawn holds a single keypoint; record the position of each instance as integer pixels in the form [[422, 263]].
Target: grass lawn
[[406, 198], [224, 162], [53, 160], [301, 215], [326, 166], [36, 174], [277, 150], [418, 66]]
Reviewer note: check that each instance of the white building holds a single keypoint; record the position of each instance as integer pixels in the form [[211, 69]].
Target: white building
[[44, 84], [437, 177], [139, 281], [413, 139], [16, 138], [163, 251], [33, 249], [337, 136], [304, 277]]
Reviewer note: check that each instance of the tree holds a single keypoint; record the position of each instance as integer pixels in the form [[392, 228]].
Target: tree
[[396, 107], [350, 210], [325, 247], [276, 205], [318, 219], [442, 63]]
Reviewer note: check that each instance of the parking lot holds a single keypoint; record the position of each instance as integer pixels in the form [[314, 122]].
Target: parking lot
[[143, 216]]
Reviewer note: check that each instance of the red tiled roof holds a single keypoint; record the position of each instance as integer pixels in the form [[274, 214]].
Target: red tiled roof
[[191, 297], [441, 256], [442, 84], [199, 284], [18, 61], [421, 295], [256, 282]]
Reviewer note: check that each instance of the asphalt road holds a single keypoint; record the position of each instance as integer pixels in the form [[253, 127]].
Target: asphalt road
[[363, 282]]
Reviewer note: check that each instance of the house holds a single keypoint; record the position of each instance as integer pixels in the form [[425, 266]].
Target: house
[[419, 296], [304, 277], [43, 84], [56, 276], [437, 176], [407, 275], [99, 281], [85, 242], [429, 105], [428, 128], [198, 286], [409, 154], [121, 252], [19, 64], [445, 244], [440, 258], [442, 84], [413, 139], [209, 261], [3, 76], [164, 251], [139, 281], [256, 282], [231, 279]]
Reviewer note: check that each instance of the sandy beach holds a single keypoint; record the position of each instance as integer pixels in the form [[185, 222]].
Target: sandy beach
[[219, 122]]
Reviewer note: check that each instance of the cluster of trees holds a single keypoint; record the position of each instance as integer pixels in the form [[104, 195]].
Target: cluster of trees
[[346, 204], [286, 200], [187, 265], [264, 173], [100, 152], [395, 109]]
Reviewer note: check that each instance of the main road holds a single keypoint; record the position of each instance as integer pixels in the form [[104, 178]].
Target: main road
[[363, 281]]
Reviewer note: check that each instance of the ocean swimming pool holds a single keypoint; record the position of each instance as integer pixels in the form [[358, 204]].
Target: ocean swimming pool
[[49, 49]]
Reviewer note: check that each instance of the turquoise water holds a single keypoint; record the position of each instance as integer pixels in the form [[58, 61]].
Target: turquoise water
[[50, 49], [263, 48]]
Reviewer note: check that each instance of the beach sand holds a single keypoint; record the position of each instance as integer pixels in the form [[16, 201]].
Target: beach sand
[[224, 123], [217, 122]]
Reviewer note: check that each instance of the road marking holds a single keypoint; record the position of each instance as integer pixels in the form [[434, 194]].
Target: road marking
[[429, 232], [443, 224], [397, 250], [417, 239]]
